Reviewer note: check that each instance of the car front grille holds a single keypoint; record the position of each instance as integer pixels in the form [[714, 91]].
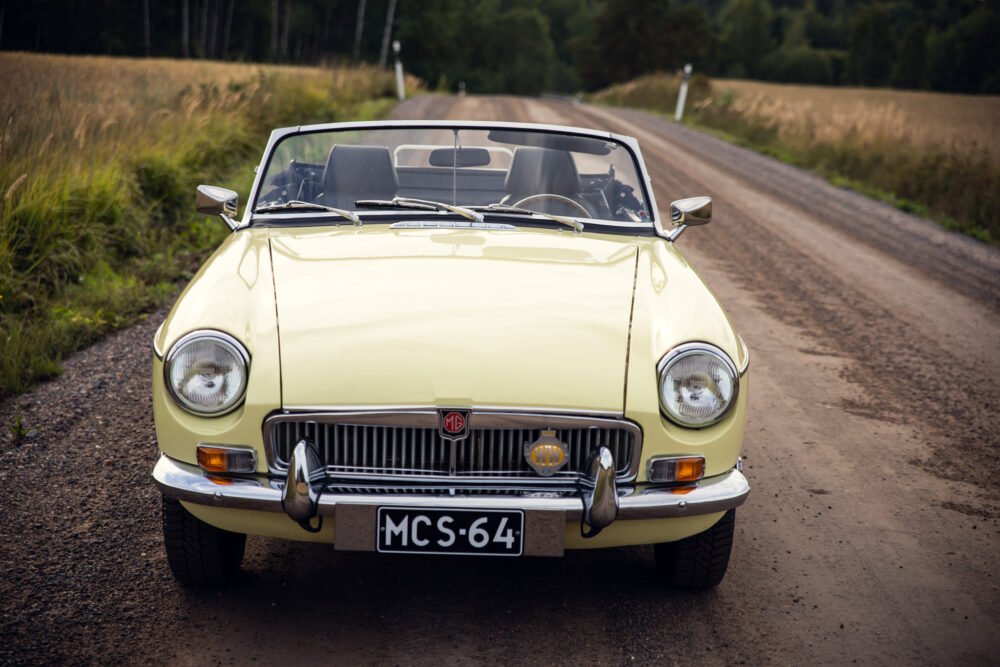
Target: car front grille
[[348, 447]]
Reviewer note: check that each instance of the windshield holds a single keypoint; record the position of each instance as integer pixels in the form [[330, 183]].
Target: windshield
[[508, 171]]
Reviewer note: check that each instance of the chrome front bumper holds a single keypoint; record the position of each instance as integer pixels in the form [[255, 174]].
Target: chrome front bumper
[[640, 501]]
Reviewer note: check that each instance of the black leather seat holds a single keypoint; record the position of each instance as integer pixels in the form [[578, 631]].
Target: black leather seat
[[358, 172], [537, 170]]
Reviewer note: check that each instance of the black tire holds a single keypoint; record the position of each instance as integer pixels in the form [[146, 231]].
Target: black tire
[[199, 554], [698, 562]]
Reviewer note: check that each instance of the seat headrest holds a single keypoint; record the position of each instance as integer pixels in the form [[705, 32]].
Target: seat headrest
[[358, 172], [534, 170]]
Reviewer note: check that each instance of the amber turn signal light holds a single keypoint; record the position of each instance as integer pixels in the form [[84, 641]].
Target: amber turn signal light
[[212, 459], [690, 470], [676, 469], [215, 458]]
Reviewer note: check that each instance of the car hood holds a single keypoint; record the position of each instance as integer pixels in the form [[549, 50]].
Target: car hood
[[458, 317]]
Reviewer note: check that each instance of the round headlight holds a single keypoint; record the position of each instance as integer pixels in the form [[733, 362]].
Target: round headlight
[[698, 384], [206, 372]]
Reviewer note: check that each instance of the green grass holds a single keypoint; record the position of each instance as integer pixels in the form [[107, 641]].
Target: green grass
[[93, 246]]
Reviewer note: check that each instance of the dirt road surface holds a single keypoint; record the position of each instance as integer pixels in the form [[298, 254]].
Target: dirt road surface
[[873, 444]]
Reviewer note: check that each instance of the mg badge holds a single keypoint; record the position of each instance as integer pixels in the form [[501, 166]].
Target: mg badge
[[453, 424], [547, 455]]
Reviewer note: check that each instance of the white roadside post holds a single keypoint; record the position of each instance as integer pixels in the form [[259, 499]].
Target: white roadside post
[[682, 96], [400, 86]]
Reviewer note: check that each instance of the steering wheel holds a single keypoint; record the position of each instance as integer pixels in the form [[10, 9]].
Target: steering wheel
[[545, 196]]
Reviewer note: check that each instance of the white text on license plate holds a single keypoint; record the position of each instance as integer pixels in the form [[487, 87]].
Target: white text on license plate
[[476, 532]]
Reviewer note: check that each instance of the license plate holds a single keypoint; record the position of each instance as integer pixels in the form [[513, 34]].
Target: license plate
[[451, 531]]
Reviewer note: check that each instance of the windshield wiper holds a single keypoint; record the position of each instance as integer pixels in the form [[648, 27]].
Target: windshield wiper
[[306, 205], [425, 204], [507, 208]]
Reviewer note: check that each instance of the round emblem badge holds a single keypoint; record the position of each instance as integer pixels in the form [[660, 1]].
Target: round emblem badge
[[454, 422], [547, 455]]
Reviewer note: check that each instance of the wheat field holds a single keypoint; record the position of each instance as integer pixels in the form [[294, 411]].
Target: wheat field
[[61, 112], [953, 123], [933, 154]]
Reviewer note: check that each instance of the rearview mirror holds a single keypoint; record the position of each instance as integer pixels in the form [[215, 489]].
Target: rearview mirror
[[213, 200], [466, 157]]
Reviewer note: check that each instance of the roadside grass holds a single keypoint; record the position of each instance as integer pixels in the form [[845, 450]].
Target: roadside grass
[[932, 154], [99, 158]]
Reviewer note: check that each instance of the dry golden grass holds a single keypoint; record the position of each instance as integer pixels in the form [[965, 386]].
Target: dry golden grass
[[949, 123], [933, 154], [74, 110]]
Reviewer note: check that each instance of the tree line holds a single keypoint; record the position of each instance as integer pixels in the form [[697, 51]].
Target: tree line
[[531, 46]]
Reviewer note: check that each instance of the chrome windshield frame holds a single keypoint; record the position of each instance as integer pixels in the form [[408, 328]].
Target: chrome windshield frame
[[630, 144]]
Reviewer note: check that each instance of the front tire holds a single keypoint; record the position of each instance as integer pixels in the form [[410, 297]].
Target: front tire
[[698, 562], [199, 554]]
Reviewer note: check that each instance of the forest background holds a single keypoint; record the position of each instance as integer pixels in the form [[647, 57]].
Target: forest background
[[535, 46]]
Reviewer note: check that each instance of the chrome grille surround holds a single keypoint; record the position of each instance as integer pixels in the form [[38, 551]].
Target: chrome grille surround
[[395, 445]]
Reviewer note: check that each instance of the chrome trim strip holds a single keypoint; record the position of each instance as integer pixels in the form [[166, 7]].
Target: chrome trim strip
[[420, 214], [451, 224], [337, 409], [695, 346], [345, 478], [713, 494], [156, 336], [675, 233], [746, 356], [479, 419]]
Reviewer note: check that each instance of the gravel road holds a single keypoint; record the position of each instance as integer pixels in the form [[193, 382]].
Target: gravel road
[[873, 447]]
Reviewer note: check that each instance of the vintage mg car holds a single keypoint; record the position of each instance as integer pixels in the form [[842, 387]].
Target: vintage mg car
[[450, 338]]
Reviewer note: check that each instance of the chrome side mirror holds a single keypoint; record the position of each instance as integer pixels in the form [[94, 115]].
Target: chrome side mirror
[[213, 200], [689, 212]]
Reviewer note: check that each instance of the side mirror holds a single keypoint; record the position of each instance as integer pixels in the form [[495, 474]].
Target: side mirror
[[689, 212], [213, 200]]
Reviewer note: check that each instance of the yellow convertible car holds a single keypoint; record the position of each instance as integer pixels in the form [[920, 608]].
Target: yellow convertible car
[[450, 338]]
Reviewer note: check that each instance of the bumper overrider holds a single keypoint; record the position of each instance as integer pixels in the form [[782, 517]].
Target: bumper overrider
[[307, 493]]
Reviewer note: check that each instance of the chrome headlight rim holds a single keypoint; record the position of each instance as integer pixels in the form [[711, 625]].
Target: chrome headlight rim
[[687, 350], [226, 341]]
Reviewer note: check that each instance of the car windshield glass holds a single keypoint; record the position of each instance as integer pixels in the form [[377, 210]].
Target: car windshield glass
[[559, 174]]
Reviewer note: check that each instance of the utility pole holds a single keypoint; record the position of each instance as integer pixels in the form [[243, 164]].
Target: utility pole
[[384, 53], [682, 95], [400, 84], [358, 29]]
